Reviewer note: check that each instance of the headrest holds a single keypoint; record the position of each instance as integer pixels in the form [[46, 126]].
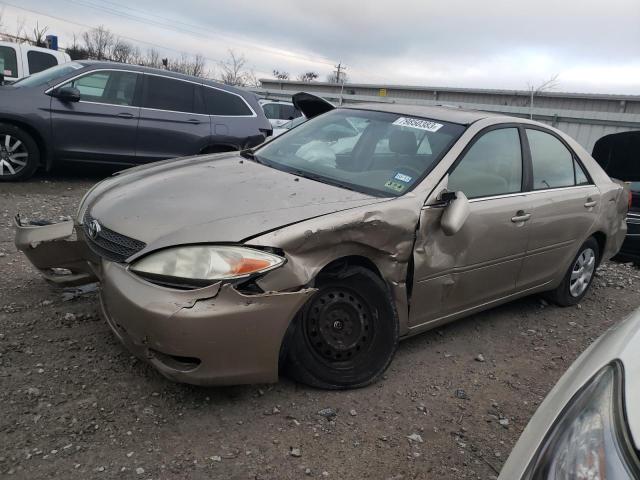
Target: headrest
[[403, 141]]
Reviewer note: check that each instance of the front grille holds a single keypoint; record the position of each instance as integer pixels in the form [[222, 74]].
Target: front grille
[[109, 244]]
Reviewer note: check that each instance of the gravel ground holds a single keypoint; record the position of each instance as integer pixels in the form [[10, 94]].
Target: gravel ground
[[76, 405]]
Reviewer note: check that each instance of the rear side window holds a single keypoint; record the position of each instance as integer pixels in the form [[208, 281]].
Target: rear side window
[[492, 166], [113, 87], [39, 61], [552, 162], [219, 102], [8, 62], [581, 177], [164, 93]]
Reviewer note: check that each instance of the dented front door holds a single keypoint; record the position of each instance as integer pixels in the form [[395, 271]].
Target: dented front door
[[475, 266]]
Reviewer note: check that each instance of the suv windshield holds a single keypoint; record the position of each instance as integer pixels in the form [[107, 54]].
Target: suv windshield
[[383, 154], [49, 75]]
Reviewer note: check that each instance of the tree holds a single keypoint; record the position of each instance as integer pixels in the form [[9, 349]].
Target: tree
[[308, 77], [75, 51], [20, 23], [333, 77], [543, 87], [281, 75], [122, 51], [39, 36], [233, 70], [99, 43]]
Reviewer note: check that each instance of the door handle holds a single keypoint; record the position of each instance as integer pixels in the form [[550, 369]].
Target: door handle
[[521, 216], [193, 121], [590, 203], [125, 115]]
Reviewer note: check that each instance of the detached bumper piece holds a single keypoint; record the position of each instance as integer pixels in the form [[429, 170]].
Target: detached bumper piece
[[56, 250]]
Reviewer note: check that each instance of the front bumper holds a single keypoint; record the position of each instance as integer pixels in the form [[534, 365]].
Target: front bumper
[[210, 336]]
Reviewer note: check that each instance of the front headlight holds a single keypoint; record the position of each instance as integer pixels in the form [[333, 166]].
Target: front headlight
[[199, 265], [590, 439]]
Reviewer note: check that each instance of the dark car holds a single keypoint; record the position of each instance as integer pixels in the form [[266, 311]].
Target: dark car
[[120, 114], [617, 155]]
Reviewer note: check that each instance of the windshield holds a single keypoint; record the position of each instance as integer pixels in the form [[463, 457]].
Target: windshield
[[294, 123], [383, 154], [49, 75]]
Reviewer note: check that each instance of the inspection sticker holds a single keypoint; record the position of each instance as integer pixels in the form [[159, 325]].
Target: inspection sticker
[[427, 125], [402, 177], [398, 187]]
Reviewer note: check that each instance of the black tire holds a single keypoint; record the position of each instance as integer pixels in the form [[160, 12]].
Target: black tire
[[346, 334], [11, 160], [567, 293]]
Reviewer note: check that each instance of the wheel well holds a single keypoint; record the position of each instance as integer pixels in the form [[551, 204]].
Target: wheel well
[[341, 264], [219, 149], [36, 137], [601, 238]]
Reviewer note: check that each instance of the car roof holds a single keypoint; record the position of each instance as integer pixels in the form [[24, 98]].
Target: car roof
[[444, 113], [160, 71]]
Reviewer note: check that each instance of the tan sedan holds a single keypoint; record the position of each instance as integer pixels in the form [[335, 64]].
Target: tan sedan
[[319, 250]]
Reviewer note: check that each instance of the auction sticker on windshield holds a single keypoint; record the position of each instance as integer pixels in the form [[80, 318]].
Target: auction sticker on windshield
[[427, 125]]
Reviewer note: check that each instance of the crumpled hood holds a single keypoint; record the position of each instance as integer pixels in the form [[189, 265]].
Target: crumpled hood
[[219, 198]]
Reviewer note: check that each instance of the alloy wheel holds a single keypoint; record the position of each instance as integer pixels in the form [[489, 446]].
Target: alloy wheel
[[13, 155], [582, 272]]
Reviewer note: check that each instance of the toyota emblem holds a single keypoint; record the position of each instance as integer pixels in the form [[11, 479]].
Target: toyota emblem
[[94, 229]]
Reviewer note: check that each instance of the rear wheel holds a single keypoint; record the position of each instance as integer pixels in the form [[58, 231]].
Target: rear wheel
[[578, 278], [346, 335], [19, 154]]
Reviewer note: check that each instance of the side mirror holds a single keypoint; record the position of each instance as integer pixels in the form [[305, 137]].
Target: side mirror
[[67, 94], [455, 213]]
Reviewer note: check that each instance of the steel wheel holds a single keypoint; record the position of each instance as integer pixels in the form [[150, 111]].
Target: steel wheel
[[338, 325], [346, 334], [13, 155], [582, 272]]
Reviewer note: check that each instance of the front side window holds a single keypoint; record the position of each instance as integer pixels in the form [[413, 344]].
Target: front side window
[[164, 93], [330, 149], [225, 104], [8, 62], [551, 161], [271, 111], [39, 61], [492, 166], [288, 112], [113, 87]]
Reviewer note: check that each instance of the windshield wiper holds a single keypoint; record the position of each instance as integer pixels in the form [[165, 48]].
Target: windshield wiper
[[250, 154]]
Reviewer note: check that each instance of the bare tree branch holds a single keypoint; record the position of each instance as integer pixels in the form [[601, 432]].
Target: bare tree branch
[[233, 72], [39, 36], [99, 43], [281, 75], [308, 77]]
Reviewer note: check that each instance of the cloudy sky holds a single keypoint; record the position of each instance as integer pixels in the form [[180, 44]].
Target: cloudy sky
[[593, 46]]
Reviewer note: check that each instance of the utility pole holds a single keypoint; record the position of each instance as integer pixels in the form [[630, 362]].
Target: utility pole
[[339, 69]]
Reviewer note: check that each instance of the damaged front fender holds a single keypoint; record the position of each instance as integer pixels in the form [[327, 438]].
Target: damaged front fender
[[56, 251]]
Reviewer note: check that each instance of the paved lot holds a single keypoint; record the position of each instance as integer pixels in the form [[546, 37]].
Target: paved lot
[[75, 405]]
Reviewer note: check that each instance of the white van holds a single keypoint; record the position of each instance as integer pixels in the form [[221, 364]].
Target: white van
[[18, 60]]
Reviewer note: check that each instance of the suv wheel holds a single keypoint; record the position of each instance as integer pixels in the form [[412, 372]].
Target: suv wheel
[[19, 154], [346, 334]]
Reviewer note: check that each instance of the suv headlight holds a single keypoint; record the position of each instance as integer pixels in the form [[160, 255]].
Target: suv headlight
[[590, 439], [199, 265]]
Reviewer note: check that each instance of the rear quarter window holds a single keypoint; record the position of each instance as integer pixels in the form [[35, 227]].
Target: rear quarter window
[[219, 102]]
